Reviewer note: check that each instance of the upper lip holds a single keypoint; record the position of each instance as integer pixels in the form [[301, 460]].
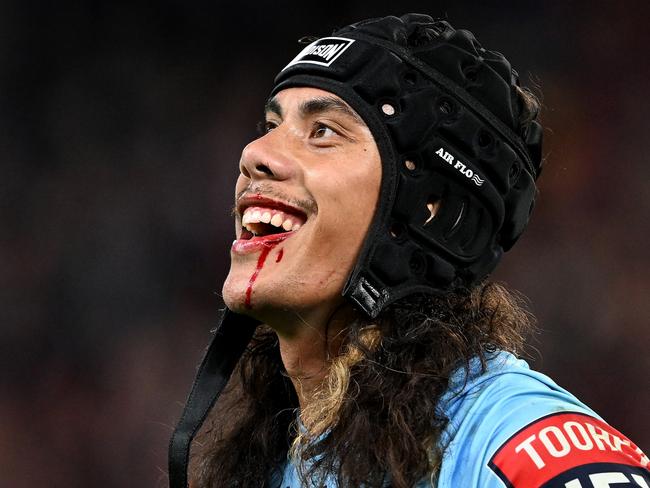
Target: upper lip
[[256, 200]]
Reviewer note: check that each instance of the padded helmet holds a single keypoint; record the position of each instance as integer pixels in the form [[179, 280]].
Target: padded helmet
[[458, 167]]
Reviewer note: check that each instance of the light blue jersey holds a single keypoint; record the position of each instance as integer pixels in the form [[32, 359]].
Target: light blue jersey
[[514, 427]]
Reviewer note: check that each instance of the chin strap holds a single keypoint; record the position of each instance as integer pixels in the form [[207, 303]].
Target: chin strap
[[231, 338]]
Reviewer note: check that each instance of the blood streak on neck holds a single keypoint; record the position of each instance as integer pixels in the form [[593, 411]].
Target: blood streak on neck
[[260, 264]]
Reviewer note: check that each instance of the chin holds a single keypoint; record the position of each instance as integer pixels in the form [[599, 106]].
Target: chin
[[235, 302], [256, 302], [234, 293], [277, 300]]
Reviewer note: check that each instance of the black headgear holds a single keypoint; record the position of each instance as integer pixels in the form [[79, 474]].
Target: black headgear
[[444, 113], [458, 173]]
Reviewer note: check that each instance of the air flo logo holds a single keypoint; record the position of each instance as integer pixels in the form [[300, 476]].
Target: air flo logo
[[464, 170], [323, 51]]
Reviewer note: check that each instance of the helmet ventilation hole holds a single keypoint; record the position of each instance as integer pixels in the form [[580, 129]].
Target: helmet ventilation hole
[[388, 109], [418, 263], [433, 205], [397, 230], [445, 106], [484, 139], [515, 169], [471, 74]]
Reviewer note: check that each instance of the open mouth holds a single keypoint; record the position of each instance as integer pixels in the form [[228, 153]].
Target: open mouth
[[265, 221]]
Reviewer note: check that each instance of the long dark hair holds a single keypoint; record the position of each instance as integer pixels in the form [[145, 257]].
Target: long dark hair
[[374, 419]]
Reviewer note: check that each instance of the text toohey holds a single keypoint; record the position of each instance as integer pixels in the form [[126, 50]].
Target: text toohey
[[559, 441], [564, 448]]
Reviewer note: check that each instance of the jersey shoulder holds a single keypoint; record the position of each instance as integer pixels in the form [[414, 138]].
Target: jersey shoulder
[[510, 426]]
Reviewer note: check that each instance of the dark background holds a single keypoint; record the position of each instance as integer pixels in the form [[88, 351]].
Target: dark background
[[120, 131]]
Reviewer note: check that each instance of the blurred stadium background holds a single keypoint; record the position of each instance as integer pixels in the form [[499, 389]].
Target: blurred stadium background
[[121, 126]]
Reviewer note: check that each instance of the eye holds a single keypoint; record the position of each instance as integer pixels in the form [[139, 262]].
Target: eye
[[265, 126], [321, 130]]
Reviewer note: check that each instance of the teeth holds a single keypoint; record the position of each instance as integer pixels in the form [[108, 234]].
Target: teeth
[[276, 221], [268, 216]]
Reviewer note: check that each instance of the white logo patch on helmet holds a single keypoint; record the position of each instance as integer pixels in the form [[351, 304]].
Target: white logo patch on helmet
[[460, 166], [324, 51]]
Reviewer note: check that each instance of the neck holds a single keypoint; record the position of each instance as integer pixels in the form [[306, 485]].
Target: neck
[[307, 348]]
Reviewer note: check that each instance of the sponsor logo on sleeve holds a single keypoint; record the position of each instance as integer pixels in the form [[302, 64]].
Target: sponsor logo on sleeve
[[323, 52], [570, 450]]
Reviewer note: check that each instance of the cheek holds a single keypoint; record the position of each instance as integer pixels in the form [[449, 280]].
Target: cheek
[[346, 207]]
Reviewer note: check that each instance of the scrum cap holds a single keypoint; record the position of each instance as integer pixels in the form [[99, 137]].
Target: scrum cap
[[459, 168]]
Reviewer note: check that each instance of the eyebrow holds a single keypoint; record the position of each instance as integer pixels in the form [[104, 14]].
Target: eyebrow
[[272, 105], [317, 106]]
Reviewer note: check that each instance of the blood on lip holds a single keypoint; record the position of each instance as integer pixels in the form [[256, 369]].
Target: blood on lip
[[259, 243], [249, 243]]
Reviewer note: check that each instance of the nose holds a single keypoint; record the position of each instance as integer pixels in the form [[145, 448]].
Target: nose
[[268, 157]]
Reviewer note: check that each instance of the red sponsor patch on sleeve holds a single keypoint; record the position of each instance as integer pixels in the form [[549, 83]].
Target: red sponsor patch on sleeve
[[558, 443]]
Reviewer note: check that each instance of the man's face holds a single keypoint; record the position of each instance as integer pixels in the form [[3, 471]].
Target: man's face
[[304, 200]]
